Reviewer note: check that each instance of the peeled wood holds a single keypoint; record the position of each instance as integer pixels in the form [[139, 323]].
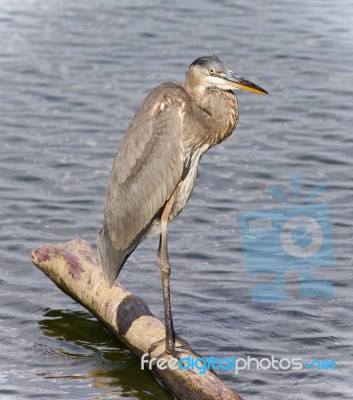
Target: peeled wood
[[72, 266]]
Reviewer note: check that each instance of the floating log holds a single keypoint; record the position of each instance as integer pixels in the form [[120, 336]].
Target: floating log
[[73, 267]]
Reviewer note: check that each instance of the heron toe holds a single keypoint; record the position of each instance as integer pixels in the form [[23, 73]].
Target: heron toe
[[175, 351]]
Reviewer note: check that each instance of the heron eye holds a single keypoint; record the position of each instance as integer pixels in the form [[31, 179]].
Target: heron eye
[[211, 71]]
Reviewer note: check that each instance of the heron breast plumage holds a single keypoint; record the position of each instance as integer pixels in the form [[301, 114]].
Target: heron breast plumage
[[183, 190]]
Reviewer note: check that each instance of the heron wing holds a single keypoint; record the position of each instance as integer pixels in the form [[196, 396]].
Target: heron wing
[[145, 173]]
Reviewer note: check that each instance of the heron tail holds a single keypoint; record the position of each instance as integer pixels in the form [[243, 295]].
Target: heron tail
[[108, 257]]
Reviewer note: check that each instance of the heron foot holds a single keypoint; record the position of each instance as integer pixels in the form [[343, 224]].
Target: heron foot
[[172, 350], [176, 351]]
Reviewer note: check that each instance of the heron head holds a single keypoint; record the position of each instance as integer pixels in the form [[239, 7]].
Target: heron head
[[210, 71]]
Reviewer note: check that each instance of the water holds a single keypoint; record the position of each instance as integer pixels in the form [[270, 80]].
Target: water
[[72, 75]]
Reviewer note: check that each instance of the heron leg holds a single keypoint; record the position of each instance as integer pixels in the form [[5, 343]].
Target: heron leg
[[163, 261]]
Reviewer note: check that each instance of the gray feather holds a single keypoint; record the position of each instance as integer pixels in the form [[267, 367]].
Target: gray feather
[[146, 171]]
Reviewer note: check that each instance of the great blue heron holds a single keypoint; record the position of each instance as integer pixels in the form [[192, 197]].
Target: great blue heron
[[155, 169]]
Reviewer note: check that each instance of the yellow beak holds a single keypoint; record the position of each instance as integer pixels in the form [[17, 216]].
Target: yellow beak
[[241, 83]]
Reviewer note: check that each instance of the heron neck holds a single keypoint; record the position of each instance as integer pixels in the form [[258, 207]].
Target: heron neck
[[222, 107]]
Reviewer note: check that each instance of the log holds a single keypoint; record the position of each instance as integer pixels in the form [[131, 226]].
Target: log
[[73, 267]]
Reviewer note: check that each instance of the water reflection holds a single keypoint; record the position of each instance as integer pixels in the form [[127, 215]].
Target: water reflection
[[87, 352]]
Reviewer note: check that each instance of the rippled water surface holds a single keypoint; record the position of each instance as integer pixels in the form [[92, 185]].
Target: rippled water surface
[[72, 74]]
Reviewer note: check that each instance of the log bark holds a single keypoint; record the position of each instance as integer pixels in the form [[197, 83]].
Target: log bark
[[73, 267]]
